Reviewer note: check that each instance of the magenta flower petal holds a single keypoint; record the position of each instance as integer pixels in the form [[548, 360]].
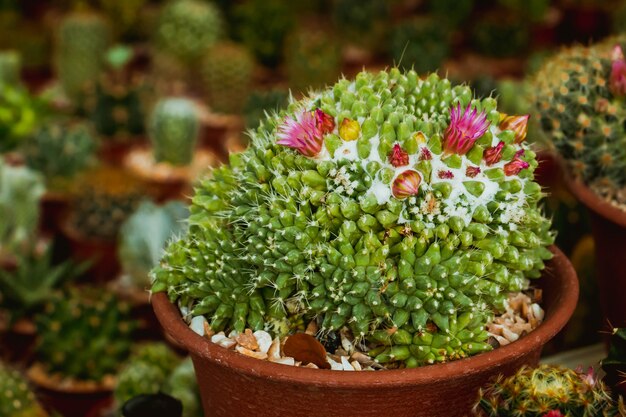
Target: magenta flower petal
[[617, 81], [445, 175], [493, 154], [398, 157], [472, 171], [406, 184], [515, 166], [553, 413], [324, 121], [302, 134], [464, 130]]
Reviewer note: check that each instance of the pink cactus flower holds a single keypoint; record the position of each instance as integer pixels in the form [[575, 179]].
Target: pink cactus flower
[[398, 157], [589, 378], [425, 155], [518, 124], [406, 184], [472, 171], [617, 81], [324, 121], [553, 413], [445, 175], [515, 166], [302, 134], [465, 128], [493, 154]]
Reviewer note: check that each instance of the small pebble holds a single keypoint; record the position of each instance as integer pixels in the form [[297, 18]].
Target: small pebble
[[197, 325]]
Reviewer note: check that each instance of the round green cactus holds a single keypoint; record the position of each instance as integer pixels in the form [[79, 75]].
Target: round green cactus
[[546, 391], [578, 95], [396, 206], [17, 399], [60, 149], [173, 129], [186, 28]]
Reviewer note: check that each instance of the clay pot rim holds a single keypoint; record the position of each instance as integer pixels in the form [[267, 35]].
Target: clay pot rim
[[39, 377], [556, 317], [590, 199]]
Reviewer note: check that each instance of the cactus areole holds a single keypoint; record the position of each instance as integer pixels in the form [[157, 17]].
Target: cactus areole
[[370, 205]]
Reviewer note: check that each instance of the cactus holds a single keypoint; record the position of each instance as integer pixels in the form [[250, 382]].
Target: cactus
[[186, 28], [20, 191], [10, 66], [145, 372], [18, 118], [313, 59], [263, 25], [182, 385], [144, 235], [392, 205], [17, 399], [227, 72], [421, 44], [363, 23], [116, 108], [262, 102], [125, 13], [104, 198], [85, 334], [81, 41], [60, 149], [489, 31], [29, 286], [615, 363], [578, 98], [548, 390], [173, 130]]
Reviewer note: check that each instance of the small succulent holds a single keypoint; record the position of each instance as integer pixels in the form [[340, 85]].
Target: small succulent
[[145, 372], [17, 399], [60, 149], [546, 391], [263, 25], [173, 130], [615, 363], [10, 66], [144, 235], [115, 106], [81, 41], [103, 199], [186, 28], [30, 285], [260, 103], [578, 97], [85, 334], [313, 59], [19, 117], [421, 44], [393, 205], [20, 192], [227, 73]]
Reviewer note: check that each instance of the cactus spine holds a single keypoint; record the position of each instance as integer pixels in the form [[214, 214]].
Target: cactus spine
[[173, 130], [82, 40], [385, 204], [227, 71]]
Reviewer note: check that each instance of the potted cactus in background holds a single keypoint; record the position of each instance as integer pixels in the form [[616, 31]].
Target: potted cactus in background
[[102, 199], [59, 150], [84, 337], [173, 162], [20, 192], [17, 399], [579, 100], [20, 118], [393, 211], [421, 44], [547, 391], [10, 67], [81, 41]]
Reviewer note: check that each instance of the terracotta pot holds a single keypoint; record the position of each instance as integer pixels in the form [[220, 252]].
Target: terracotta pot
[[233, 385], [53, 206], [102, 253], [68, 401], [17, 342], [608, 226]]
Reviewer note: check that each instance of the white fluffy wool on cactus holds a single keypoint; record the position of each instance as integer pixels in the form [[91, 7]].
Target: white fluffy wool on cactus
[[397, 206]]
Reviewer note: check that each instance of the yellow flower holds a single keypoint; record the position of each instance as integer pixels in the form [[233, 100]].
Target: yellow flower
[[349, 130]]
